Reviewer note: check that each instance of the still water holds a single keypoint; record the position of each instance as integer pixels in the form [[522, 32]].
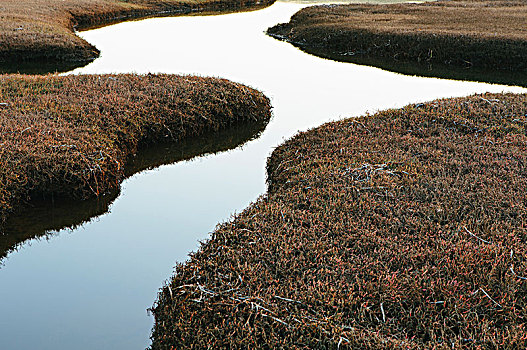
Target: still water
[[90, 287]]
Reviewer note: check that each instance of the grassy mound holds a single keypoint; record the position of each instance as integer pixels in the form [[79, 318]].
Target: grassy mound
[[402, 229], [487, 34], [38, 30], [71, 136]]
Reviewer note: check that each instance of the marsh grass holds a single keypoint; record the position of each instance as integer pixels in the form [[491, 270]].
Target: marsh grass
[[403, 229], [72, 135], [487, 34]]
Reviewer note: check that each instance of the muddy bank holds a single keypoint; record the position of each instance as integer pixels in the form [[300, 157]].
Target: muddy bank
[[71, 136], [479, 34], [401, 229], [43, 31]]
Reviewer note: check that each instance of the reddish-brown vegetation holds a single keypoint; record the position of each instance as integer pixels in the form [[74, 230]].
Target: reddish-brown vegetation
[[402, 229], [36, 30], [72, 135], [468, 33]]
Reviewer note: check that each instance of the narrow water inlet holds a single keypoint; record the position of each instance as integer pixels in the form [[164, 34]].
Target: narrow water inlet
[[89, 288], [47, 213]]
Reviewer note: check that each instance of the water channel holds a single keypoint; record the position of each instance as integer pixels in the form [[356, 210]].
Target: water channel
[[89, 287]]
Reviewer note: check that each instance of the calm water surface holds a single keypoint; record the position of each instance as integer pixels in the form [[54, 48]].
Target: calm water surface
[[89, 288]]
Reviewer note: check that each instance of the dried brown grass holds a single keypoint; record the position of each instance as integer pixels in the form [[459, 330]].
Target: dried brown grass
[[405, 229], [72, 135], [468, 33], [37, 30]]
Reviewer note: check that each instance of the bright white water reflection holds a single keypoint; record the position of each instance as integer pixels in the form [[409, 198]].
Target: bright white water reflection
[[90, 288]]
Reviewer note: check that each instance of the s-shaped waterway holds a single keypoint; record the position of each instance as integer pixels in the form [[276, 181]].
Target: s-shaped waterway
[[89, 287]]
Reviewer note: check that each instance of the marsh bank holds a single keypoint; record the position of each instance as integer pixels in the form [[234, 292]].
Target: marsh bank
[[401, 229]]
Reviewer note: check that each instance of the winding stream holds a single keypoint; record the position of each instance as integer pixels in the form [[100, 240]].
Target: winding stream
[[89, 287]]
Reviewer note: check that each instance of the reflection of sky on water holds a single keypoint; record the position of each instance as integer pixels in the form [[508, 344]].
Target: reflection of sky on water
[[90, 288]]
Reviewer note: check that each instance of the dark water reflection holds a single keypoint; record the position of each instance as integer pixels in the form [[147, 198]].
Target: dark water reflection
[[425, 69], [43, 216], [41, 67]]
